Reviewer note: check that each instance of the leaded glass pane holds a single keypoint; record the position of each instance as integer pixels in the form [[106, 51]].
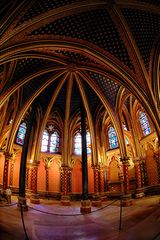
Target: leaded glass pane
[[21, 133], [45, 140], [144, 123], [113, 142], [54, 142]]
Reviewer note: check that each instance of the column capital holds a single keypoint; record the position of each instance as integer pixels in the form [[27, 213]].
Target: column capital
[[125, 160], [137, 160], [8, 155], [34, 164], [95, 166], [47, 162], [64, 167]]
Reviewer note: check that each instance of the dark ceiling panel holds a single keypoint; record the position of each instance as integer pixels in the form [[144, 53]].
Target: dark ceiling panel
[[75, 99], [27, 66], [153, 2], [95, 26], [45, 97], [107, 86], [61, 99], [41, 6], [31, 87], [145, 27], [93, 100]]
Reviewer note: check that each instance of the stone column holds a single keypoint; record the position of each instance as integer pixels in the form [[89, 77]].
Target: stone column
[[121, 178], [139, 191], [34, 172], [96, 179], [8, 157], [11, 172], [28, 182], [65, 198], [101, 180], [143, 170], [157, 159], [127, 201], [96, 199], [22, 176], [106, 179], [47, 164]]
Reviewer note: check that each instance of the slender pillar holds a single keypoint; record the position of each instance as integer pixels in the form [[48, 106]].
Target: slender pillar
[[96, 180], [8, 157], [106, 179], [139, 191], [157, 159], [34, 196], [96, 201], [85, 202], [143, 170], [22, 177], [47, 165], [28, 182], [101, 180], [127, 201], [11, 172], [65, 177]]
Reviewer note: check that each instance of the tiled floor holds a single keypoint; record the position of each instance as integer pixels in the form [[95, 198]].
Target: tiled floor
[[141, 221]]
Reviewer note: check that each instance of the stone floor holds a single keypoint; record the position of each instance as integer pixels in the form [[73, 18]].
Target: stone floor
[[141, 221]]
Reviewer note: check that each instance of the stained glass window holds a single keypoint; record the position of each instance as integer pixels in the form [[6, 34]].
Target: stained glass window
[[54, 142], [88, 139], [45, 141], [124, 126], [78, 143], [50, 142], [113, 142], [127, 141], [144, 123], [21, 133]]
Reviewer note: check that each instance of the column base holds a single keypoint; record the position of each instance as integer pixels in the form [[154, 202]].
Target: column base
[[22, 202], [139, 193], [96, 202], [35, 199], [85, 206], [65, 200], [28, 194], [127, 200]]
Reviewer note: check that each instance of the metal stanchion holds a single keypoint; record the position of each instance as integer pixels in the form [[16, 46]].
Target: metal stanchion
[[120, 215], [24, 228]]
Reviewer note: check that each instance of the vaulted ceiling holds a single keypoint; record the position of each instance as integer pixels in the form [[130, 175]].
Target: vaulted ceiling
[[88, 48]]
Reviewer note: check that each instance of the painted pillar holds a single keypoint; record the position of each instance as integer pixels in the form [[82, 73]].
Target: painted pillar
[[144, 176], [101, 179], [96, 180], [28, 182], [127, 196], [8, 157], [27, 177], [65, 181], [139, 191], [34, 172], [11, 171], [106, 179], [157, 159], [47, 164]]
